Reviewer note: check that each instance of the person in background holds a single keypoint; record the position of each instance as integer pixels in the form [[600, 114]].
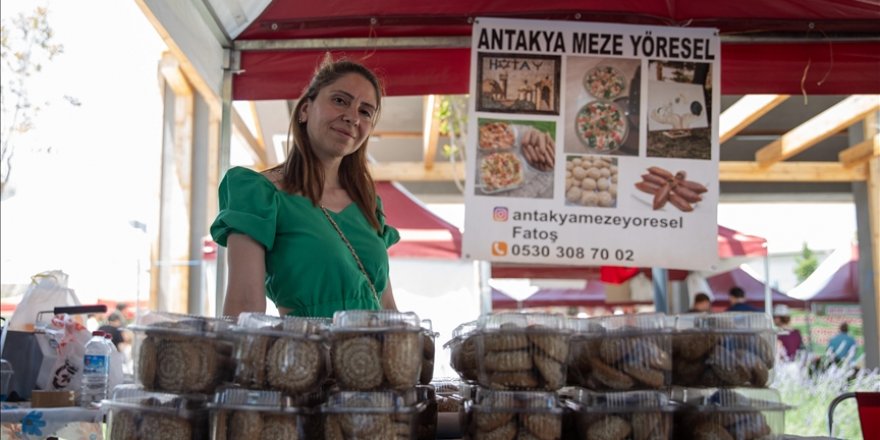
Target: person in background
[[790, 338], [113, 327], [841, 344], [702, 303], [92, 322], [310, 234], [738, 301]]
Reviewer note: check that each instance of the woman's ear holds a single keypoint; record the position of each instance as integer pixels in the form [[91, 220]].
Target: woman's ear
[[303, 113]]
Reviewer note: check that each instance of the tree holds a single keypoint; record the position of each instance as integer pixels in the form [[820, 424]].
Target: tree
[[806, 263], [27, 44]]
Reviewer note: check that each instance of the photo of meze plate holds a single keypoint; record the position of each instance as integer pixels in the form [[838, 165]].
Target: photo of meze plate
[[601, 126]]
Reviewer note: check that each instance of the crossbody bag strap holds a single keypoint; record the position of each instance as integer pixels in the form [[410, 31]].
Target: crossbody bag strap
[[353, 254]]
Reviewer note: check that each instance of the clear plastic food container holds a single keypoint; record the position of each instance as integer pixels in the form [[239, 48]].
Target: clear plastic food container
[[238, 413], [463, 350], [645, 414], [513, 414], [287, 354], [369, 415], [182, 353], [423, 397], [522, 351], [723, 350], [621, 353], [137, 414], [428, 343], [373, 350], [735, 413]]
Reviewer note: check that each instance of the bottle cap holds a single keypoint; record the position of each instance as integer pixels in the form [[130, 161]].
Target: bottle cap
[[100, 333]]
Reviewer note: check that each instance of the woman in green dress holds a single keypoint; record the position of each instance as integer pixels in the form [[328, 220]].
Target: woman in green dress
[[310, 234]]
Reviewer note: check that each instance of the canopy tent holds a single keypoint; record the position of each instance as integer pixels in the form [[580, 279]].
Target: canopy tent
[[785, 46], [590, 296], [754, 288], [422, 233], [731, 244], [835, 280]]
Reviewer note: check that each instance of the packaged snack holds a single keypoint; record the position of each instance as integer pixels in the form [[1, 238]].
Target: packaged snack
[[736, 413], [370, 414], [514, 414], [643, 414], [463, 350], [137, 414], [259, 414]]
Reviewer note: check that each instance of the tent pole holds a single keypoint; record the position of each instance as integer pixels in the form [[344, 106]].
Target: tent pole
[[768, 297], [223, 163], [661, 300]]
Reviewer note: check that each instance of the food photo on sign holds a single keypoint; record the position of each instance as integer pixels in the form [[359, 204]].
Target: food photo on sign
[[517, 83], [679, 102], [515, 158], [602, 104]]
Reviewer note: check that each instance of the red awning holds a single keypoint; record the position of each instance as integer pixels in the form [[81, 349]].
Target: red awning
[[733, 243], [422, 233], [591, 296], [816, 63], [754, 288]]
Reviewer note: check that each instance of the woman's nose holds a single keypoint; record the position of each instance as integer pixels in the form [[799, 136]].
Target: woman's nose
[[350, 116]]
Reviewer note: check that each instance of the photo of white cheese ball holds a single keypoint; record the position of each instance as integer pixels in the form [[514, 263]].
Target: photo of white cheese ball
[[591, 181]]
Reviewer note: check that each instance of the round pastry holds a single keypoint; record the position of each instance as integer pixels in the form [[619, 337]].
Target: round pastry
[[332, 428], [504, 432], [554, 345], [279, 427], [513, 380], [492, 420], [147, 354], [251, 370], [219, 425], [401, 358], [612, 350], [648, 376], [747, 425], [203, 375], [293, 365], [609, 376], [650, 426], [427, 371], [692, 346], [710, 431], [728, 367], [123, 425], [609, 428], [543, 426], [176, 359], [552, 371], [357, 362], [245, 424], [362, 425], [165, 427], [685, 372], [508, 360], [651, 353], [505, 340]]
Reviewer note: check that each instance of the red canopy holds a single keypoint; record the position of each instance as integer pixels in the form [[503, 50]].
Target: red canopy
[[809, 44], [721, 284], [592, 295], [422, 234]]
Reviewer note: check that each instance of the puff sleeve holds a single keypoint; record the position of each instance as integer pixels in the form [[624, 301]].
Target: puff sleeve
[[248, 205], [389, 234]]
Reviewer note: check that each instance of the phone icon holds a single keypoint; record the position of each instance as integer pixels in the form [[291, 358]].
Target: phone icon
[[499, 214], [499, 248]]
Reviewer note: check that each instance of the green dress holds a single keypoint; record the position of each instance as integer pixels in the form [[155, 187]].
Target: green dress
[[309, 269]]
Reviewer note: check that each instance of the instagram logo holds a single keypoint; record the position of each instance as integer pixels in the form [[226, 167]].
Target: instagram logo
[[499, 214], [499, 248]]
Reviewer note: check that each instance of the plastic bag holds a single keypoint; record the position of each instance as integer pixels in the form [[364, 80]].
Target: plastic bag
[[47, 291], [63, 344]]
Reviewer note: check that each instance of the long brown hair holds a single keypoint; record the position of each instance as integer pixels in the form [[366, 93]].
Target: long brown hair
[[302, 171]]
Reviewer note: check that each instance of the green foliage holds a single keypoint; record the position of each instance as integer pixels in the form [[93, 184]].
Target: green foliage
[[807, 263], [452, 116]]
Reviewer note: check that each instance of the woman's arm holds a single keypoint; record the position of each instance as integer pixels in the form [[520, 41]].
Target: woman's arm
[[388, 298], [247, 276]]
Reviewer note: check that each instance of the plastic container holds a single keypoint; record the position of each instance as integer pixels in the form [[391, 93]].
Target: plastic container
[[522, 351], [423, 397], [513, 414], [622, 353], [257, 414], [463, 350], [370, 415], [137, 414], [738, 413], [96, 369], [181, 353], [373, 350], [287, 354], [6, 372], [429, 337], [723, 350], [620, 414]]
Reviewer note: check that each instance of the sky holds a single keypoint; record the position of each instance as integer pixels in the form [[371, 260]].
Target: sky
[[85, 172]]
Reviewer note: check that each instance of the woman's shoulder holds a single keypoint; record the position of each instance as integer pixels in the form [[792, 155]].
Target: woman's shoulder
[[248, 177]]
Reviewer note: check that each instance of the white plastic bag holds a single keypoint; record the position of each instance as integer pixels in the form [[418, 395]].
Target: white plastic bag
[[63, 343], [47, 291]]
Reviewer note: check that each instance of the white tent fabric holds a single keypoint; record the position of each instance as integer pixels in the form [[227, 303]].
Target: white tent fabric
[[822, 275]]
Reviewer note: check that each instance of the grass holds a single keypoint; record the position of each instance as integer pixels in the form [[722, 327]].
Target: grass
[[811, 394]]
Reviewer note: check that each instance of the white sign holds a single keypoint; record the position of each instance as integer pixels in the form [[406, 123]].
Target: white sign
[[593, 144]]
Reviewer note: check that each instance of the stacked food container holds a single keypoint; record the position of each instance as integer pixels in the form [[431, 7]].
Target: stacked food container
[[376, 359]]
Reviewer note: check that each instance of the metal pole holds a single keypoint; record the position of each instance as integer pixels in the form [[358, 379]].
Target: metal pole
[[768, 296], [223, 166], [660, 277]]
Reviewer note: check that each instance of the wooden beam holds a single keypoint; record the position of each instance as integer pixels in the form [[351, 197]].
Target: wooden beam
[[255, 149], [169, 68], [431, 128], [742, 113], [730, 171], [817, 129], [874, 218], [415, 171], [391, 134], [861, 152]]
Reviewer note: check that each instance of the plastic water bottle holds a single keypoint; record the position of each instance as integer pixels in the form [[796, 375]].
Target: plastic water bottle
[[96, 370]]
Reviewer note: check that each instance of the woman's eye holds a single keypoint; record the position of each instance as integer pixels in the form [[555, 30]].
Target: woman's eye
[[338, 100], [367, 113]]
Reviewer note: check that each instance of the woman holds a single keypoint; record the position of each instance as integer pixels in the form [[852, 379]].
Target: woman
[[310, 234]]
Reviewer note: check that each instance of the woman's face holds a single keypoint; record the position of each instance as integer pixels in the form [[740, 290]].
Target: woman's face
[[341, 117]]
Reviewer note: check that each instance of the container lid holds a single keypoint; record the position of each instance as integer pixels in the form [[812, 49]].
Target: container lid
[[166, 322], [730, 399], [258, 323], [635, 323], [368, 402], [585, 326], [253, 400], [726, 321], [513, 321], [461, 332], [375, 320], [446, 385], [620, 401], [135, 398], [488, 398]]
